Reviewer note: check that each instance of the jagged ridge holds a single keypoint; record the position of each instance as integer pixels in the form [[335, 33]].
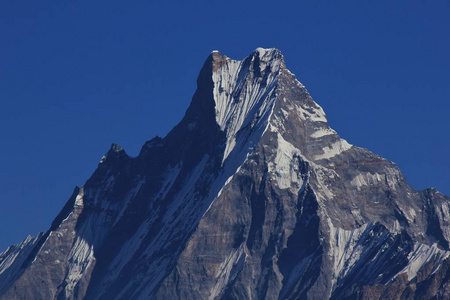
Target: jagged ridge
[[251, 196]]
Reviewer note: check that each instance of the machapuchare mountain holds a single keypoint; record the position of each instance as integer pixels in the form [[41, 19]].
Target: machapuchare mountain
[[251, 196]]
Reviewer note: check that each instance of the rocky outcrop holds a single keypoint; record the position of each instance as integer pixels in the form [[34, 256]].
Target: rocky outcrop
[[251, 196]]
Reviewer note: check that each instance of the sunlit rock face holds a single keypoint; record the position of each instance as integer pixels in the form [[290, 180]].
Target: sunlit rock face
[[251, 196]]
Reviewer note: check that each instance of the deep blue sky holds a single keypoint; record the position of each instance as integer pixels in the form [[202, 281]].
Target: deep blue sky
[[76, 76]]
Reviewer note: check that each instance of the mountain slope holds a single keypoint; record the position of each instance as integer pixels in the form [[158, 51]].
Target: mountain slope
[[251, 196]]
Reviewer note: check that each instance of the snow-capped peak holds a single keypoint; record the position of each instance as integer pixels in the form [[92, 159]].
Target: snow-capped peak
[[251, 196], [243, 90]]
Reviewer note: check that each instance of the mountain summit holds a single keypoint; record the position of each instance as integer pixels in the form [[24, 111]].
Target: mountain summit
[[251, 196]]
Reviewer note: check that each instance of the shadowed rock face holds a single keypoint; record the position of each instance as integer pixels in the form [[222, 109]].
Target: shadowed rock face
[[251, 196]]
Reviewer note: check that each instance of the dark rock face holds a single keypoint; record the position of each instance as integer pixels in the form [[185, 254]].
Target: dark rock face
[[251, 196]]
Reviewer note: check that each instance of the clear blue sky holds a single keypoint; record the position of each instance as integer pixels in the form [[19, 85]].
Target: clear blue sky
[[76, 76]]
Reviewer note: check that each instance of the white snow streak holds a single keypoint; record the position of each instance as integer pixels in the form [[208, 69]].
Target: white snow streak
[[321, 132], [316, 115], [334, 149], [421, 255], [344, 249], [366, 179], [285, 167], [81, 258], [241, 99], [9, 256], [391, 177]]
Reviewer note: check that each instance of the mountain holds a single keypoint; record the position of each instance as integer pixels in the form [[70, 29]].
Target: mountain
[[251, 196]]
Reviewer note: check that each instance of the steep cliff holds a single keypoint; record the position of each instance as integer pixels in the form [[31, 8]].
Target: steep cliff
[[251, 196]]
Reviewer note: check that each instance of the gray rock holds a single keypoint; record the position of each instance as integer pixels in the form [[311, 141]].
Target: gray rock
[[251, 196]]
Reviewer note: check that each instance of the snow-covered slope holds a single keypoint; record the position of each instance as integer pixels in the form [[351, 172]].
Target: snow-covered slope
[[251, 196]]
